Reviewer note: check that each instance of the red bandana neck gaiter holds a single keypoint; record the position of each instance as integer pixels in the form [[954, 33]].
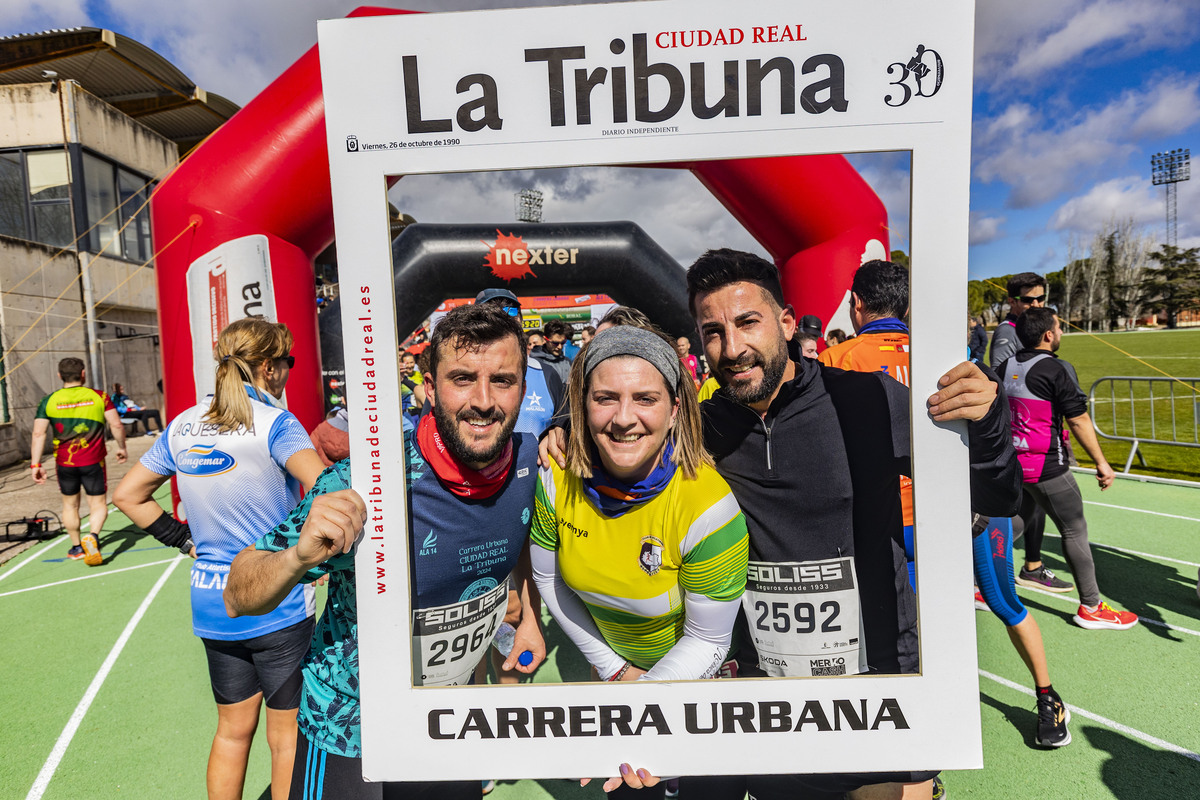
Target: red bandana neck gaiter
[[458, 477]]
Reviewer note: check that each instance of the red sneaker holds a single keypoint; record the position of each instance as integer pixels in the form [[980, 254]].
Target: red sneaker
[[1105, 618], [980, 603]]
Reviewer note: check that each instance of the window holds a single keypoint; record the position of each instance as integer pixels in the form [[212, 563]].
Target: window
[[4, 417], [115, 196], [100, 191], [14, 215], [133, 192], [49, 197], [35, 202]]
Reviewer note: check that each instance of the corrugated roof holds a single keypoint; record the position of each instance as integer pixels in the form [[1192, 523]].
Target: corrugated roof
[[123, 72]]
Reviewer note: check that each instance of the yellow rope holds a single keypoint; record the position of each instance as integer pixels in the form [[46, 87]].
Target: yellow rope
[[81, 317], [1113, 346], [68, 247], [72, 282]]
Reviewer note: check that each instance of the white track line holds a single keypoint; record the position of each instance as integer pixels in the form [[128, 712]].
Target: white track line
[[64, 740], [1155, 556], [85, 526], [1140, 510], [1073, 600], [33, 555], [1105, 721], [86, 577]]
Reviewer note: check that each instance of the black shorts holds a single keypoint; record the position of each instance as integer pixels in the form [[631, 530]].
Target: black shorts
[[93, 478], [316, 773], [270, 664]]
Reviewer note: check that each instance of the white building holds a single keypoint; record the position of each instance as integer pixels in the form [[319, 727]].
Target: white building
[[90, 122]]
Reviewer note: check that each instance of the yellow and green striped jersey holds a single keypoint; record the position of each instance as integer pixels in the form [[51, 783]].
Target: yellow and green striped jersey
[[629, 570]]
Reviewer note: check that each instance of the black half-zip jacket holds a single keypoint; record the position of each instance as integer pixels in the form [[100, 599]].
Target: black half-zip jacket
[[819, 477]]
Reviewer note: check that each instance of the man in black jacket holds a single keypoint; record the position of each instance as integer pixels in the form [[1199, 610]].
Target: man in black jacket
[[814, 456]]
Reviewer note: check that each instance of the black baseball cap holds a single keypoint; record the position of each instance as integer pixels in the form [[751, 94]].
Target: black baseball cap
[[810, 324], [488, 295]]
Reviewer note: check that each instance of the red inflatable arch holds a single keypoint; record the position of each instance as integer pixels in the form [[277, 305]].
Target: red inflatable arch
[[251, 209]]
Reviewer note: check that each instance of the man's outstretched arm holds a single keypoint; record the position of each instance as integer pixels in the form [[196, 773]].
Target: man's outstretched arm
[[995, 471], [329, 526]]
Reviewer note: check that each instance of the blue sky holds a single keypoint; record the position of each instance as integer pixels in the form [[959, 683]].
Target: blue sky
[[1071, 99]]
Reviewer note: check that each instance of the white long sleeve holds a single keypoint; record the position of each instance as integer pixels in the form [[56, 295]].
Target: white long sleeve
[[571, 614], [707, 632]]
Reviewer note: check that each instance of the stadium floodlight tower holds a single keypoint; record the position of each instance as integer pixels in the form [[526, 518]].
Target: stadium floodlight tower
[[528, 204], [1168, 169]]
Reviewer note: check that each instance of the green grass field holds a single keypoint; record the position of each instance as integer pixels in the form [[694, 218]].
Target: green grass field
[[106, 690], [1142, 354]]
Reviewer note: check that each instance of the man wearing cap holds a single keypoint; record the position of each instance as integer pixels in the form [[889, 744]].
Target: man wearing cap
[[543, 387], [810, 324]]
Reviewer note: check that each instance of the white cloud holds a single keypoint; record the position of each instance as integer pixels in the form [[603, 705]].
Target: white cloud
[[889, 175], [1018, 42], [34, 16], [985, 229], [1130, 196], [37, 15], [670, 205], [1122, 25], [238, 47], [1003, 27], [1041, 157], [1049, 261]]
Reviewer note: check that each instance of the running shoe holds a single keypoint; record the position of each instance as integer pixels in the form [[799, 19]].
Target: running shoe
[[1042, 578], [1105, 618], [1053, 716], [939, 788], [980, 603], [75, 553], [488, 786]]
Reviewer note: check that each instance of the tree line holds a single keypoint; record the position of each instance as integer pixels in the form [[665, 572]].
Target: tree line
[[1118, 278]]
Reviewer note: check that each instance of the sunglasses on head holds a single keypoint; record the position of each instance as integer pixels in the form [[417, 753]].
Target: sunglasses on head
[[512, 311], [1032, 298]]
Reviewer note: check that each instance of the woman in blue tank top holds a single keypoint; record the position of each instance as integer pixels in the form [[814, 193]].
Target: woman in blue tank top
[[240, 459]]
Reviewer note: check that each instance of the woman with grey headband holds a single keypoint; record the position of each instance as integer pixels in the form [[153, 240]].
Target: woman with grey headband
[[639, 547]]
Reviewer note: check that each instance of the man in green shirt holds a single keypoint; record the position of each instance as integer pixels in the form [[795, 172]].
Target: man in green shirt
[[78, 415]]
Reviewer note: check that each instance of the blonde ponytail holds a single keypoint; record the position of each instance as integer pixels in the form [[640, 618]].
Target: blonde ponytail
[[241, 348]]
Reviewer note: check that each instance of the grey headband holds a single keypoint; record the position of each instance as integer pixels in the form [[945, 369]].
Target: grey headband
[[626, 340]]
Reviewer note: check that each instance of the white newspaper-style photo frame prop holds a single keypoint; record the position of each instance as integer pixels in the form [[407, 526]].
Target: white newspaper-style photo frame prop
[[497, 90]]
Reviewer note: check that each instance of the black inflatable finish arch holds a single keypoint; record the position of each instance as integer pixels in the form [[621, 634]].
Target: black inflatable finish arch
[[433, 263]]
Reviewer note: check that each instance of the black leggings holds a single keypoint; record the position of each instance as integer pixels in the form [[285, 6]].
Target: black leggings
[[1060, 498]]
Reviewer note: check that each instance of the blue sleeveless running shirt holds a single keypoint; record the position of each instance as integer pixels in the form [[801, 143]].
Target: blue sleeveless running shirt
[[537, 407], [234, 488]]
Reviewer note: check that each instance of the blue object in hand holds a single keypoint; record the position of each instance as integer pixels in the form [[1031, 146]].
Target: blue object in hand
[[525, 659]]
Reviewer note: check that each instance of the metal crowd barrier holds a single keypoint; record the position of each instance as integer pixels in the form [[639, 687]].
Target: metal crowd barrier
[[1146, 411]]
